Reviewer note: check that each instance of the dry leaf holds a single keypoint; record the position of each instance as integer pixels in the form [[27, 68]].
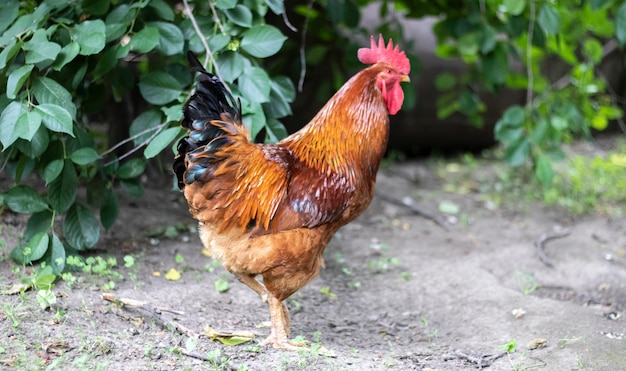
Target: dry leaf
[[323, 351], [228, 338], [57, 347], [16, 289], [172, 275], [206, 252], [537, 343]]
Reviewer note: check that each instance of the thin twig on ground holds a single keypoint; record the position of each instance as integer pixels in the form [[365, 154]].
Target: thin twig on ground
[[408, 203], [481, 360], [556, 232], [155, 312]]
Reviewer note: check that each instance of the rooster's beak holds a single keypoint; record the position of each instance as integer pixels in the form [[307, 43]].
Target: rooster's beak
[[405, 78]]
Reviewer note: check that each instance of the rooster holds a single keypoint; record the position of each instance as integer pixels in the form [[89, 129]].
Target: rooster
[[269, 210]]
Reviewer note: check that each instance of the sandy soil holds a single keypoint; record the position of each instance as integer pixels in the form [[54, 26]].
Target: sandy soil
[[397, 292]]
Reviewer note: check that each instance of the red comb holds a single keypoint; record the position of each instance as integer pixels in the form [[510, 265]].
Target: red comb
[[380, 53]]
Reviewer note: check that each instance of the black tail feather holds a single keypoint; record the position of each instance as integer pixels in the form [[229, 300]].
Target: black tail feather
[[211, 101]]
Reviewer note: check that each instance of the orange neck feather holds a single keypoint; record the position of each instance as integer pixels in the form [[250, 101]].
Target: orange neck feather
[[350, 132]]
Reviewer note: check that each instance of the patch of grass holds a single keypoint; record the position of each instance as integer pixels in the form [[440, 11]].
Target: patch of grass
[[218, 361], [431, 333], [12, 313], [383, 263], [509, 347], [326, 291], [591, 185], [582, 184], [527, 282]]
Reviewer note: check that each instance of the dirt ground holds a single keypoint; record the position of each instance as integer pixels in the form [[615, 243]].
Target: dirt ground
[[397, 292]]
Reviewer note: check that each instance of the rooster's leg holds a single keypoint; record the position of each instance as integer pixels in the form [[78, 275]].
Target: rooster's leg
[[279, 337], [255, 285]]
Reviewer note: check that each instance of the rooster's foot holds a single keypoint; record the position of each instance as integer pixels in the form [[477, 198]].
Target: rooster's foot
[[285, 343]]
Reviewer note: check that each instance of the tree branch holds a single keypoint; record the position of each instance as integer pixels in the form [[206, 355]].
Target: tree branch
[[209, 55], [305, 27]]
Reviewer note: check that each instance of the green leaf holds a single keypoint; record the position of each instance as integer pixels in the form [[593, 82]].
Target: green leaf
[[281, 94], [255, 121], [173, 113], [449, 207], [56, 118], [55, 257], [239, 15], [110, 211], [68, 53], [468, 44], [16, 80], [39, 49], [132, 187], [540, 133], [23, 199], [231, 65], [495, 66], [275, 131], [549, 19], [514, 7], [91, 36], [62, 191], [262, 41], [558, 122], [24, 23], [517, 152], [131, 169], [620, 25], [84, 156], [159, 88], [221, 285], [277, 6], [118, 21], [27, 125], [514, 115], [171, 38], [34, 249], [598, 4], [52, 170], [145, 40], [8, 13], [107, 61], [445, 81], [592, 49], [9, 52], [488, 39], [95, 7], [255, 84], [599, 122], [46, 90], [9, 133], [162, 9], [225, 4], [81, 228], [39, 223], [37, 144], [543, 170], [142, 124], [161, 141]]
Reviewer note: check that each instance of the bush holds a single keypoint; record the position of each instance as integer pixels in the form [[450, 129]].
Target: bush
[[62, 62]]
